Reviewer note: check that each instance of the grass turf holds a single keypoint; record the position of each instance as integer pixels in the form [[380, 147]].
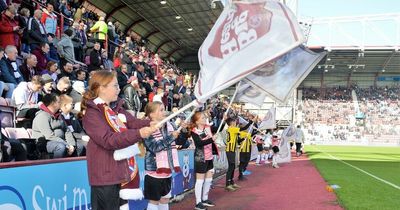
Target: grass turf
[[359, 190]]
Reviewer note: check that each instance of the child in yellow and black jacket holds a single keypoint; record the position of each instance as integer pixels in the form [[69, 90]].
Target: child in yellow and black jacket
[[231, 143]]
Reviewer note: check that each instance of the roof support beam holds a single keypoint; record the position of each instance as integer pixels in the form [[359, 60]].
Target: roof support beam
[[114, 10], [162, 44], [172, 52], [133, 24], [151, 34]]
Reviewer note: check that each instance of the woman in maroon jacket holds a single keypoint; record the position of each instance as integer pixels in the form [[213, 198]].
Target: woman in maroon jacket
[[110, 128]]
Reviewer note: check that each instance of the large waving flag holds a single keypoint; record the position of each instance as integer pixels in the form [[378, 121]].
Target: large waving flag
[[277, 79], [268, 121], [248, 94], [246, 36]]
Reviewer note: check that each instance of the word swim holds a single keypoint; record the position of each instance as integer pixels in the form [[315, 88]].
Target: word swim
[[41, 202]]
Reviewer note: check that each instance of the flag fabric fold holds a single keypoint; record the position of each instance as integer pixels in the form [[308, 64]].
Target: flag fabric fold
[[248, 94], [279, 78], [268, 121]]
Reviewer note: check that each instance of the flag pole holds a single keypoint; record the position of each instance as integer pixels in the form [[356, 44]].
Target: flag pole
[[188, 118], [229, 107], [187, 106]]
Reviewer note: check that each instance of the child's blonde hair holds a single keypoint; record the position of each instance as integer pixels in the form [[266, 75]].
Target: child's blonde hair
[[64, 99]]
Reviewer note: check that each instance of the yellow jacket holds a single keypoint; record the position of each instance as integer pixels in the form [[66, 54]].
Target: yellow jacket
[[101, 29]]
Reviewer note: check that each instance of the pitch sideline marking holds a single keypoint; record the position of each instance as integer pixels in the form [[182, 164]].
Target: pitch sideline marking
[[359, 169]]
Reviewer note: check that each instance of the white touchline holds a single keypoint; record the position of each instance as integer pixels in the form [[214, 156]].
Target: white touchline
[[359, 169]]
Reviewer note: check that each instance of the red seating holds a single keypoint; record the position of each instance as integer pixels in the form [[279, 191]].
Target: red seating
[[17, 133]]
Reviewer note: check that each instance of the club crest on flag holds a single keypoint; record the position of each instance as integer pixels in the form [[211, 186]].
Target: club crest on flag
[[242, 26]]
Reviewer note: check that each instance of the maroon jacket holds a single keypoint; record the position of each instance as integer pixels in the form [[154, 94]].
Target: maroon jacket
[[102, 168]]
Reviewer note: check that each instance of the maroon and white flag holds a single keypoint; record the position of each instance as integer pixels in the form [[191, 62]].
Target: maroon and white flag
[[278, 78], [246, 36]]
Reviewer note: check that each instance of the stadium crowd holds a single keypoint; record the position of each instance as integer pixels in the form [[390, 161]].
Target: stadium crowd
[[333, 114], [42, 72]]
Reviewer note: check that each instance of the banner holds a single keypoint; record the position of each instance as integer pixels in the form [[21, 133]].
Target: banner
[[55, 186], [269, 121], [246, 36], [249, 94], [278, 78]]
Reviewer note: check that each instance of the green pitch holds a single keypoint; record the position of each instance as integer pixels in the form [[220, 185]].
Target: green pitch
[[357, 189]]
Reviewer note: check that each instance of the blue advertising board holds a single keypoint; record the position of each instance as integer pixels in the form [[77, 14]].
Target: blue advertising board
[[56, 186], [64, 185]]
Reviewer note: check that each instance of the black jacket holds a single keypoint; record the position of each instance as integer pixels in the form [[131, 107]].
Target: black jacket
[[34, 34]]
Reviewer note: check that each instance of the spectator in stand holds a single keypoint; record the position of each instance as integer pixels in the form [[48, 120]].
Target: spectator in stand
[[53, 54], [3, 6], [123, 76], [107, 63], [81, 76], [78, 13], [78, 88], [48, 85], [46, 124], [132, 94], [23, 19], [13, 149], [36, 30], [67, 71], [185, 99], [9, 28], [25, 97], [77, 42], [72, 123], [100, 30], [64, 10], [63, 86], [65, 48], [180, 88], [9, 70], [82, 33], [41, 55], [7, 87], [96, 63], [28, 68], [52, 70], [49, 19]]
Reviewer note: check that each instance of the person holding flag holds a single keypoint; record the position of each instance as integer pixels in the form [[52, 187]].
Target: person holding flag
[[203, 159], [110, 128]]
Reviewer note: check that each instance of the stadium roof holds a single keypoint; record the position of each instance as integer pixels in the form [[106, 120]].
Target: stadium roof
[[168, 34], [371, 61]]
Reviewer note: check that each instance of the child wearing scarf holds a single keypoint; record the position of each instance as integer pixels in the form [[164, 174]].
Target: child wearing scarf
[[161, 160]]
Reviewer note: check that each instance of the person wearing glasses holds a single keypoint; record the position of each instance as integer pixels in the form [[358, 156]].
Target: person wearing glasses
[[110, 128]]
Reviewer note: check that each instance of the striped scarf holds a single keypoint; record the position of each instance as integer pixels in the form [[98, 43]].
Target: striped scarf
[[118, 126], [162, 160]]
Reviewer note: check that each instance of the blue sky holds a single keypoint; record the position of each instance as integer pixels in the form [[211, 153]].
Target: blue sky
[[334, 8]]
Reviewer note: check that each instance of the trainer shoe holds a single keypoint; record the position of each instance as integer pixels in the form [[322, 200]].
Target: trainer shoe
[[235, 186], [275, 166], [200, 206], [230, 188], [246, 172], [208, 203]]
